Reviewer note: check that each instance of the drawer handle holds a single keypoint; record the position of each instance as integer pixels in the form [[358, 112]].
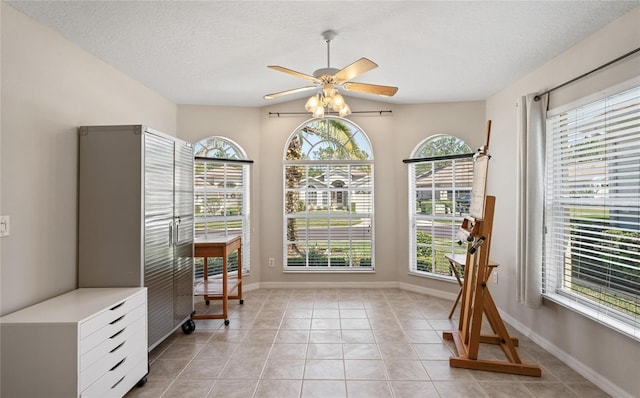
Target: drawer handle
[[117, 320], [118, 364], [117, 334], [115, 307], [117, 348], [119, 381]]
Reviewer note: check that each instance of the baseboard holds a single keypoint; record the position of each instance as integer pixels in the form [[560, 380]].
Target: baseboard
[[328, 285], [250, 287], [354, 285], [596, 378], [425, 290]]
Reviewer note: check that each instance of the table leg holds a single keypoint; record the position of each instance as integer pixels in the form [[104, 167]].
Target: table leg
[[225, 293]]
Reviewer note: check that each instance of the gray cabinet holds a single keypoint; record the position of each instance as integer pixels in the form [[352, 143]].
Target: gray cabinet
[[135, 220]]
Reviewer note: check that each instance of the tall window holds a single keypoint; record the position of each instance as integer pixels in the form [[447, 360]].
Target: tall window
[[328, 197], [439, 198], [221, 198], [592, 209]]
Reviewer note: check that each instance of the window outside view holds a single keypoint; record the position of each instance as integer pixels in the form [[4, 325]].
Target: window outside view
[[328, 200], [221, 199], [440, 195], [592, 213]]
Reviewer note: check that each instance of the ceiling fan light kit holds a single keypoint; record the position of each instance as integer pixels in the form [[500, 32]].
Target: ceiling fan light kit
[[329, 97], [328, 80]]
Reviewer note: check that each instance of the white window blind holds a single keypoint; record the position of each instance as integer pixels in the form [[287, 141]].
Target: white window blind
[[592, 210], [439, 198], [221, 199], [328, 198]]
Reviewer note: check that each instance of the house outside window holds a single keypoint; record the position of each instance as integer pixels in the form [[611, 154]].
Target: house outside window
[[221, 198], [328, 198], [439, 198]]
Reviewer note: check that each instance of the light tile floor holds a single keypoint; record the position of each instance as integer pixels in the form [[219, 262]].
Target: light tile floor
[[333, 343]]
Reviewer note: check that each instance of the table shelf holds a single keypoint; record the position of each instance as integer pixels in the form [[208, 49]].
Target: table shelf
[[211, 289], [219, 288]]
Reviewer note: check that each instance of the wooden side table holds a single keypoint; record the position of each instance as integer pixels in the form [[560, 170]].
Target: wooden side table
[[219, 288]]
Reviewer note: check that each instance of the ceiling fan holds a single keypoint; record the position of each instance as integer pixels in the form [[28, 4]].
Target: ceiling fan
[[330, 79]]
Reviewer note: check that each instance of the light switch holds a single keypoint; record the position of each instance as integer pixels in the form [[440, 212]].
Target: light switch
[[4, 226]]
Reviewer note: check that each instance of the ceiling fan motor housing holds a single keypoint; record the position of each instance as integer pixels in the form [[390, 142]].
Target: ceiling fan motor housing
[[322, 72]]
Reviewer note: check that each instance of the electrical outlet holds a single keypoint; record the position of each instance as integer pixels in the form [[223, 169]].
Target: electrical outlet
[[495, 277], [272, 262], [4, 226]]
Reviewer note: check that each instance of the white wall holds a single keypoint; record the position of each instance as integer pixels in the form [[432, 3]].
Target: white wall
[[609, 357], [393, 137], [49, 88], [464, 120], [241, 125]]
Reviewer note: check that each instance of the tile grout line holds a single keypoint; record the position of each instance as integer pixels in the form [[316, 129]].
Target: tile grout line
[[331, 300]]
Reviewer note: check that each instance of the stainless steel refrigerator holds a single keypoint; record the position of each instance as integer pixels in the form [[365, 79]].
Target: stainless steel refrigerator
[[135, 219]]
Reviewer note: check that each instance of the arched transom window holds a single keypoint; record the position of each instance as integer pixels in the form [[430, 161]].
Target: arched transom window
[[328, 197]]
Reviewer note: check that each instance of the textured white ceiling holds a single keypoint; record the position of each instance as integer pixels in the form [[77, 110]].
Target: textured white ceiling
[[216, 52]]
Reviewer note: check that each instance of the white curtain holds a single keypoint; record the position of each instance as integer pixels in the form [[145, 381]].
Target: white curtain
[[530, 198]]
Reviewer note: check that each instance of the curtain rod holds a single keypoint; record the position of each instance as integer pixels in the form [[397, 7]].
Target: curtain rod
[[537, 97], [328, 113], [437, 158], [204, 158]]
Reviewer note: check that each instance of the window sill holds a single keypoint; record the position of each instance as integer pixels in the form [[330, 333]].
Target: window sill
[[449, 279], [595, 315], [325, 270]]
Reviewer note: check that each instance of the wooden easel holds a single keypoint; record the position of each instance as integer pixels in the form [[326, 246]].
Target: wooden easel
[[476, 298]]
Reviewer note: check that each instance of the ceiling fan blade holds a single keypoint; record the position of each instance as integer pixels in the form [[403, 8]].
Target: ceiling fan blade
[[294, 73], [386, 91], [293, 91], [355, 69]]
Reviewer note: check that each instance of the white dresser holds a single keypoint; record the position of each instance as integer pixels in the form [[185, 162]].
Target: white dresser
[[86, 343]]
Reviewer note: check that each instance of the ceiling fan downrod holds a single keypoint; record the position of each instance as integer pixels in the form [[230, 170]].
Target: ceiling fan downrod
[[328, 36]]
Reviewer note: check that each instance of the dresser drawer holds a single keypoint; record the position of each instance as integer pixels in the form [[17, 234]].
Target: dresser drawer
[[133, 376], [111, 344], [112, 329], [106, 356], [119, 379], [110, 315]]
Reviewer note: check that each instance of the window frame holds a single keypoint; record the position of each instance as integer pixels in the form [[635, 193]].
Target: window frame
[[553, 272], [414, 218], [232, 155], [327, 193]]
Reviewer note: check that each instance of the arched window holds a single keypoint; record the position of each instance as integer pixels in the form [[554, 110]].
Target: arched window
[[221, 197], [328, 197], [439, 198]]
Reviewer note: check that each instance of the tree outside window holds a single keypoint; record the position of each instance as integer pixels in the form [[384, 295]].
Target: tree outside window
[[328, 199]]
